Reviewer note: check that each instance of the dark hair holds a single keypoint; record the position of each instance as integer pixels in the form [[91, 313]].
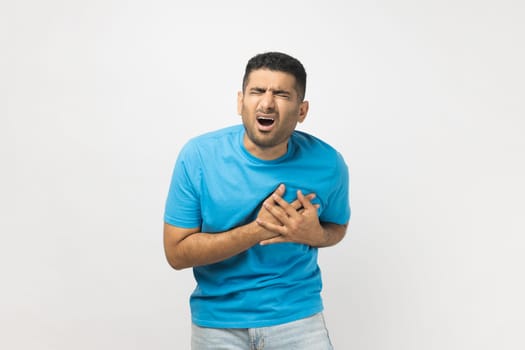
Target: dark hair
[[281, 62]]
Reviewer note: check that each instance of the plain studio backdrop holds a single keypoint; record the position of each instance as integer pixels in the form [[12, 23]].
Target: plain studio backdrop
[[425, 100]]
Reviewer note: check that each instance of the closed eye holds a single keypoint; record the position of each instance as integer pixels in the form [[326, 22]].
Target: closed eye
[[282, 93], [257, 91]]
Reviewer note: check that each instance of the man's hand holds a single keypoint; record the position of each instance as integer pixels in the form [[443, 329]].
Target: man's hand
[[291, 222], [265, 216]]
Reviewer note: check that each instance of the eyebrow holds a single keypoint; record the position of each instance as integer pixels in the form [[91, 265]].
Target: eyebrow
[[279, 92], [275, 92]]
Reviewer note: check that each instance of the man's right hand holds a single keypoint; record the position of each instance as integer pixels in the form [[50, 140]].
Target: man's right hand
[[266, 216]]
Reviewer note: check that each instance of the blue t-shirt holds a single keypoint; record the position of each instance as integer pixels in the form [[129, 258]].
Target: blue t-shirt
[[218, 185]]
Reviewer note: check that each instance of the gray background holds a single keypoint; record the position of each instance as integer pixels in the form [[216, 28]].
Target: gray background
[[425, 99]]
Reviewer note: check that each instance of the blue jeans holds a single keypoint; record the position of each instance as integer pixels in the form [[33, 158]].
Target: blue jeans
[[306, 334]]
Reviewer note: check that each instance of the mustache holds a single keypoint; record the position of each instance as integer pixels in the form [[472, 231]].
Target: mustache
[[266, 111]]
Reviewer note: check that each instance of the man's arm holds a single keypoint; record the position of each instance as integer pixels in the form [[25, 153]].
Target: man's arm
[[332, 234], [189, 247]]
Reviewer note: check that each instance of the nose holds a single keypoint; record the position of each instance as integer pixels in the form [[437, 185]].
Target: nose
[[267, 101]]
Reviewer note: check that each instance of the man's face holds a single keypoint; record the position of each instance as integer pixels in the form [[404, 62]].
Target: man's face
[[270, 108]]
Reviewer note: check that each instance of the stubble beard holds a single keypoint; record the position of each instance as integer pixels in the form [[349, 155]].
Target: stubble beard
[[264, 139]]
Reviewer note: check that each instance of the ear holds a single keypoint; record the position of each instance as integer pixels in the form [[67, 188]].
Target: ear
[[303, 111], [239, 102]]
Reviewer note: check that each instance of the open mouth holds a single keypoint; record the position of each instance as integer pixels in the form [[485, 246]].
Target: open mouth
[[265, 121]]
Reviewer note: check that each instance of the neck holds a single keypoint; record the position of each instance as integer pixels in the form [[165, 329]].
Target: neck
[[265, 153]]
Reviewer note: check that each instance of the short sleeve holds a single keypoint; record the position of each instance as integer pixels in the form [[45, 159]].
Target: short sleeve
[[338, 206], [182, 207]]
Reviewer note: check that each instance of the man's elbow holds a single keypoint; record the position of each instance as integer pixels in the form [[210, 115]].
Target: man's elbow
[[176, 262], [178, 266]]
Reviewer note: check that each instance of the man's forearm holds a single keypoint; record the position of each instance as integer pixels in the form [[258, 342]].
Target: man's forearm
[[332, 234], [207, 248]]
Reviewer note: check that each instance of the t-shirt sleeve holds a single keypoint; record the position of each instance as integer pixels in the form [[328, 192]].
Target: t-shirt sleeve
[[338, 207], [182, 207]]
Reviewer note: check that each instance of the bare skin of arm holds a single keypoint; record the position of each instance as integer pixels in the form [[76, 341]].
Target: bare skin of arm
[[299, 226], [189, 247]]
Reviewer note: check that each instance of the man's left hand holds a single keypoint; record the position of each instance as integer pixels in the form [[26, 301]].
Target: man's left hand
[[298, 226]]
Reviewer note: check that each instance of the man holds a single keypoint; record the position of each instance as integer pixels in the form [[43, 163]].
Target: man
[[248, 208]]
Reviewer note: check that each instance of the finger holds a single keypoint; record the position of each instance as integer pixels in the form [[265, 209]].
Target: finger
[[296, 204], [289, 210], [278, 239], [301, 210], [279, 191], [276, 209], [306, 201], [271, 227]]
